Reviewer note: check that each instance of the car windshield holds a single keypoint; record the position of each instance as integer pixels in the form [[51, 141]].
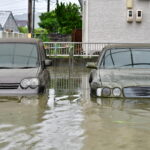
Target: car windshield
[[14, 55], [126, 58]]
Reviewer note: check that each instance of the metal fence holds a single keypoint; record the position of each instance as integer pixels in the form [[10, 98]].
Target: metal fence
[[70, 85], [65, 82], [73, 48]]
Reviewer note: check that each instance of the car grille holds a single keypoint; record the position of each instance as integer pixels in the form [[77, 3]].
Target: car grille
[[135, 92], [9, 85]]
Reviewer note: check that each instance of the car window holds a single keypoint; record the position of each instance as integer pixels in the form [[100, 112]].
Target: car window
[[18, 55], [126, 58], [141, 58]]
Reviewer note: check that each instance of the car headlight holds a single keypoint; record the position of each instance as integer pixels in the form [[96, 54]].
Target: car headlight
[[117, 92], [103, 92], [25, 83], [106, 92], [99, 92], [34, 83], [31, 82]]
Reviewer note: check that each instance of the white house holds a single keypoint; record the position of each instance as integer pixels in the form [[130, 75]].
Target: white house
[[7, 22], [116, 21]]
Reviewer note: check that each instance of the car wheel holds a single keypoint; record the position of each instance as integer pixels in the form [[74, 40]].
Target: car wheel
[[92, 92]]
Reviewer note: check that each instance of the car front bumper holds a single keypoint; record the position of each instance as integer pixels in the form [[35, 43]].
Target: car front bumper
[[19, 91], [126, 92]]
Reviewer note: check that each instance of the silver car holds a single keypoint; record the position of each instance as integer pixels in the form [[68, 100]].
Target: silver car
[[122, 71], [23, 67]]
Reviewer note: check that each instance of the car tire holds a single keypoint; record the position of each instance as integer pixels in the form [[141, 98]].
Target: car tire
[[90, 78], [92, 92]]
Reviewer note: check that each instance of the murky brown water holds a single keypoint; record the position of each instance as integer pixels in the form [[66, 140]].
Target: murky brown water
[[68, 119]]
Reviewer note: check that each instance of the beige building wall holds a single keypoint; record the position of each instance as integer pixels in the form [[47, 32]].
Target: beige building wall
[[106, 21]]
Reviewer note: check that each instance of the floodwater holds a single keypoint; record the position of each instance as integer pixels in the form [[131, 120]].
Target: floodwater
[[69, 119]]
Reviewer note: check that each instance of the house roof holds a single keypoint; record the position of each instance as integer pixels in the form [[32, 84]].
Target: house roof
[[22, 23], [3, 17]]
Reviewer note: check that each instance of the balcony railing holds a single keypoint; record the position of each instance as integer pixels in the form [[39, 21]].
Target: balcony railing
[[73, 48]]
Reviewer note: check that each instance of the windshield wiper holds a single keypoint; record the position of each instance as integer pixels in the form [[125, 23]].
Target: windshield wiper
[[24, 67], [135, 64], [16, 67], [5, 67]]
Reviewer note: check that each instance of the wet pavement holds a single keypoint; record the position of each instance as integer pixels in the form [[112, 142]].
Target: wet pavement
[[69, 119]]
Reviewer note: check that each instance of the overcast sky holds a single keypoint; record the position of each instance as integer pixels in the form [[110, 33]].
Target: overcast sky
[[21, 6]]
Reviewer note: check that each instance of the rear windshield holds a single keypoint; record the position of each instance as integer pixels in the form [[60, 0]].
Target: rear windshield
[[18, 55], [126, 58]]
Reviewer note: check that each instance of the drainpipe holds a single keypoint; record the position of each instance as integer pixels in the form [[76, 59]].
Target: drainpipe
[[80, 2]]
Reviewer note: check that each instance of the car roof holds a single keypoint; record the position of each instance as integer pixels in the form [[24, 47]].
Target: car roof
[[20, 40], [130, 45]]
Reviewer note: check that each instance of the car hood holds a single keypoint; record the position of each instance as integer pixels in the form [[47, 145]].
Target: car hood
[[16, 75], [124, 77]]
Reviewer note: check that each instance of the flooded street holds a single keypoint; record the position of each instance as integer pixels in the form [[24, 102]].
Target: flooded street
[[69, 119]]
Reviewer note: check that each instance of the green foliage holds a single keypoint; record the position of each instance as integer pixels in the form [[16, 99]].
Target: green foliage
[[49, 21], [40, 31], [63, 19], [42, 34], [23, 29], [43, 37], [68, 16]]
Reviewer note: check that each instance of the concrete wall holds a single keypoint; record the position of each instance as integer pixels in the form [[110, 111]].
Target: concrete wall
[[105, 21], [12, 35]]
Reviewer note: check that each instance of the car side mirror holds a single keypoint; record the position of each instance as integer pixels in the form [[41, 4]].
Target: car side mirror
[[48, 62], [91, 65]]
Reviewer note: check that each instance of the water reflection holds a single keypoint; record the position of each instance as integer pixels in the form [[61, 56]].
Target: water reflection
[[46, 122], [117, 124], [123, 103], [133, 112], [17, 116]]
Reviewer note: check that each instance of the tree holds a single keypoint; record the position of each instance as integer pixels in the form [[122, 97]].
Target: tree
[[23, 29], [69, 17], [63, 19], [49, 21]]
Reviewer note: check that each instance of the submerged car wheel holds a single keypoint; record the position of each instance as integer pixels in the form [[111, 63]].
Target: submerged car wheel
[[90, 78], [92, 92]]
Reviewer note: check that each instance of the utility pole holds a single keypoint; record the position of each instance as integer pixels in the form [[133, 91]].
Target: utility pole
[[33, 18], [48, 5], [30, 16]]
